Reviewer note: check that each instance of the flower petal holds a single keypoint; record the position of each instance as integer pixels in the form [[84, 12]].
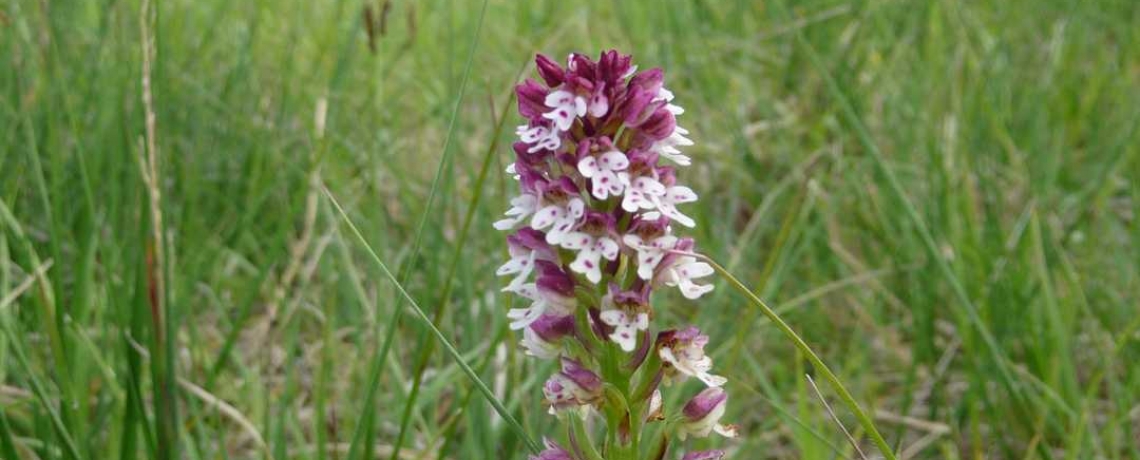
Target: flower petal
[[608, 247], [614, 160], [546, 216], [588, 166], [680, 194]]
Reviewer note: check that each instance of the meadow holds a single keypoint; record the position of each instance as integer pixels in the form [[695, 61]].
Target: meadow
[[940, 197]]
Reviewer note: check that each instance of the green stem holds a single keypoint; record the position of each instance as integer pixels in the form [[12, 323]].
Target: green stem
[[864, 419], [582, 438]]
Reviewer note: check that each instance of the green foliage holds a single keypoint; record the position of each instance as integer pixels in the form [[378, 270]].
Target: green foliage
[[940, 198]]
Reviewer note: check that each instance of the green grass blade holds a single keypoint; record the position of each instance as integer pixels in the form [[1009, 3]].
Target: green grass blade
[[70, 448], [482, 387], [895, 187], [417, 242], [7, 444], [848, 400], [445, 292]]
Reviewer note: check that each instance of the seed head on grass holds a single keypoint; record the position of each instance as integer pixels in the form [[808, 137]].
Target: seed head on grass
[[593, 238]]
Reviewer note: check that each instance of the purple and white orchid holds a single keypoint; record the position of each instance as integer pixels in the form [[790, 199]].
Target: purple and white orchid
[[592, 238]]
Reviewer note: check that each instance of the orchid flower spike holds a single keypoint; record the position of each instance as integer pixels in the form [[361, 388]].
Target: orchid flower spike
[[592, 238]]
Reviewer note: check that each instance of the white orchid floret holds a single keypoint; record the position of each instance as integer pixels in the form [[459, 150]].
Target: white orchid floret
[[525, 247], [593, 240], [559, 209], [656, 192], [649, 252], [591, 249], [560, 217], [599, 104], [666, 204], [539, 137], [680, 271], [667, 147], [552, 293], [566, 106], [640, 192], [521, 207], [627, 325], [627, 312], [606, 173], [667, 96], [684, 352]]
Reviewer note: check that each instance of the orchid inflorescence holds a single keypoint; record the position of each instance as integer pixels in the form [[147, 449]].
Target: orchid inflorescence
[[593, 224]]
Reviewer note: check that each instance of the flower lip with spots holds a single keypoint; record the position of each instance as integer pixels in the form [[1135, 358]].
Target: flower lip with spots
[[553, 292], [604, 165], [627, 313], [596, 238], [526, 246], [562, 207], [678, 269]]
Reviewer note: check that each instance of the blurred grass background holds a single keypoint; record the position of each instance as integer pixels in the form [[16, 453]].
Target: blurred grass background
[[1010, 125]]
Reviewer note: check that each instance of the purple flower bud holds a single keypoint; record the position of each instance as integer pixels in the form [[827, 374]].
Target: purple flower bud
[[667, 176], [560, 189], [704, 404], [613, 66], [549, 70], [704, 455], [553, 451], [528, 239], [553, 327], [542, 338], [583, 377], [659, 125], [650, 81], [702, 414], [581, 84], [553, 280], [531, 180], [636, 107], [531, 96], [574, 386], [582, 67], [527, 159], [584, 148], [599, 224], [635, 298]]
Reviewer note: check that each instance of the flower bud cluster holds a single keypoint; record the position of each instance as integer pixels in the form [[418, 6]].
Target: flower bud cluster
[[592, 238]]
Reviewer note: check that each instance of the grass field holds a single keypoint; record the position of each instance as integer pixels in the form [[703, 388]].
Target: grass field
[[940, 197]]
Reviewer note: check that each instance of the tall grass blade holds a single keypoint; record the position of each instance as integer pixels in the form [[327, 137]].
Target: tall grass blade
[[482, 387], [448, 282], [852, 118], [848, 400], [363, 431], [69, 447]]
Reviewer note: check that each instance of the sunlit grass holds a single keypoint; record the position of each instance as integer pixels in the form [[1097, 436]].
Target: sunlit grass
[[939, 198]]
